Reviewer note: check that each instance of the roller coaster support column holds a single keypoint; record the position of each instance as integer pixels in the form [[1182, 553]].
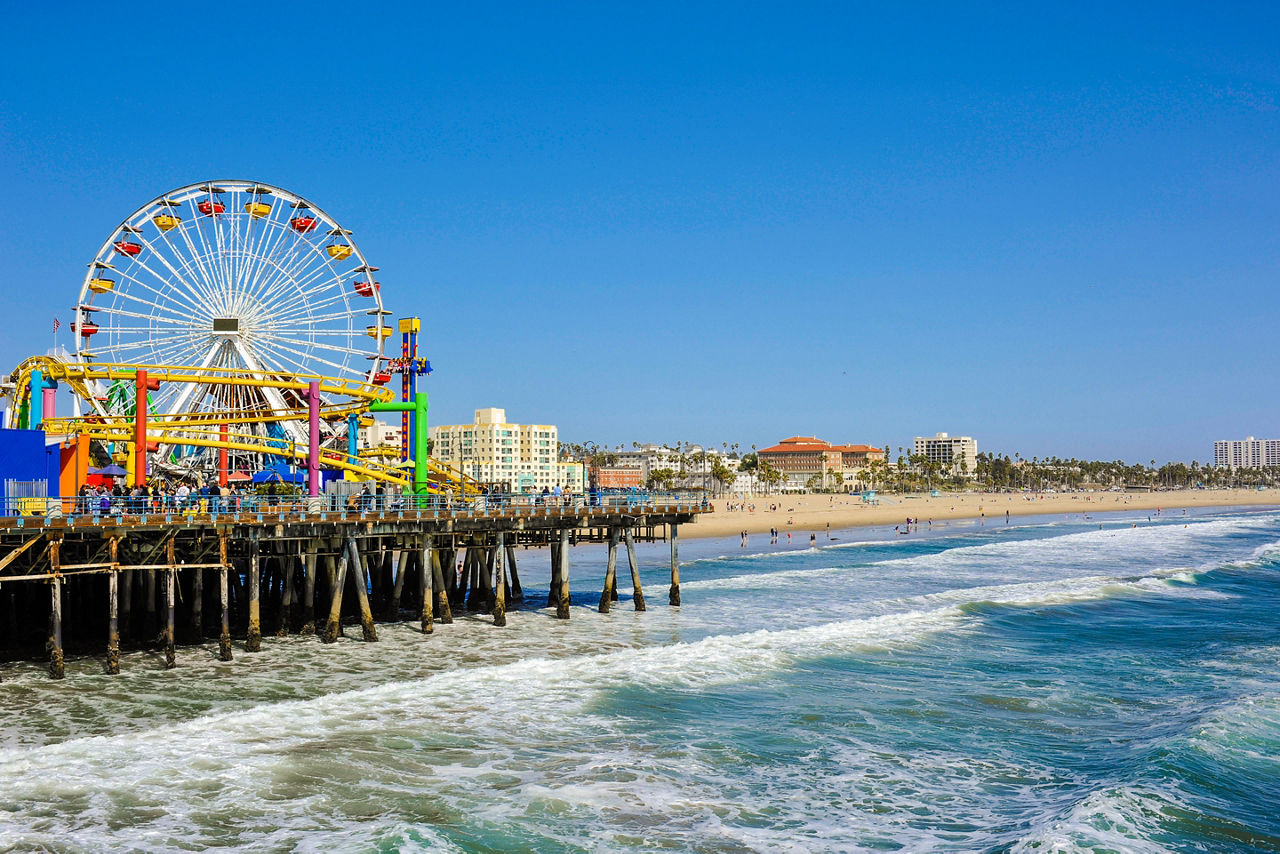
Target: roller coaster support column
[[313, 439], [419, 409], [353, 434], [142, 386], [40, 388], [46, 403]]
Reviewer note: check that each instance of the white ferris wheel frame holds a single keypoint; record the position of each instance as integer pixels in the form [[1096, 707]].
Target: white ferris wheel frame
[[285, 304]]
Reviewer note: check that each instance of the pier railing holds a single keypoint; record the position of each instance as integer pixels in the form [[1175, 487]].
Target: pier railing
[[174, 509]]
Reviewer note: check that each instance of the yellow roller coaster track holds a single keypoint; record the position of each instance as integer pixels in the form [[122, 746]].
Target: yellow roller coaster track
[[175, 433], [346, 397]]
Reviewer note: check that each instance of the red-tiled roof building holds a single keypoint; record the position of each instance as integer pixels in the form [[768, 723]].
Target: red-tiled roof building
[[801, 457]]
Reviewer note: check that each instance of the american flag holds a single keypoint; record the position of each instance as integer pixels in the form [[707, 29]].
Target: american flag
[[56, 324]]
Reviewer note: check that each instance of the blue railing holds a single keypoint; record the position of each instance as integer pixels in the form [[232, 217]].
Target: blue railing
[[173, 508]]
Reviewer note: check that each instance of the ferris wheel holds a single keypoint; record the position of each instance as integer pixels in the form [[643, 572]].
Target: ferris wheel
[[230, 275]]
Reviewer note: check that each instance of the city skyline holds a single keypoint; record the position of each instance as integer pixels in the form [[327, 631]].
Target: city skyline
[[1036, 230]]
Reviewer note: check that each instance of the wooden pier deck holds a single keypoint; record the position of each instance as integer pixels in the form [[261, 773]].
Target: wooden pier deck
[[80, 582]]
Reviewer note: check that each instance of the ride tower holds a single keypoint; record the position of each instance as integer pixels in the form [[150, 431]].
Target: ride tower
[[410, 366]]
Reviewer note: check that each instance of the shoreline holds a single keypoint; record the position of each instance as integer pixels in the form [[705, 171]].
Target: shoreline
[[807, 514]]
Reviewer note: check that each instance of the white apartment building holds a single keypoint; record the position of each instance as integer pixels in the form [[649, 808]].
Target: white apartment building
[[521, 457], [1247, 453], [944, 449], [379, 434], [698, 461]]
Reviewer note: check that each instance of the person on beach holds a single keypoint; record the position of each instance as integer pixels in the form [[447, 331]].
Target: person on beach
[[813, 540]]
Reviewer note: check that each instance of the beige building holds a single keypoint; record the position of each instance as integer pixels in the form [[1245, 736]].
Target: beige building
[[517, 457], [950, 451]]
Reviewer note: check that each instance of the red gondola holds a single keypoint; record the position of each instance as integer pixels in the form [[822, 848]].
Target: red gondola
[[381, 378], [304, 224], [366, 288], [128, 247], [211, 207], [85, 329]]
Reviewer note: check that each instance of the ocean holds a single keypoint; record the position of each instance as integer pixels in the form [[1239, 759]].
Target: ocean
[[1054, 684]]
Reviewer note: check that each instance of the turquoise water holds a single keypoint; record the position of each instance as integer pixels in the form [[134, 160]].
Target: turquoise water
[[1047, 686]]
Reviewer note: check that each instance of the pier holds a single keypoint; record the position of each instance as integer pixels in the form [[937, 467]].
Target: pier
[[90, 584]]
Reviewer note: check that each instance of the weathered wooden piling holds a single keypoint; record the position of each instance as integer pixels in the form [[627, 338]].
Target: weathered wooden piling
[[517, 594], [309, 590], [253, 640], [224, 637], [398, 566], [437, 581], [675, 565], [610, 573], [113, 608], [170, 577], [499, 584], [333, 626], [429, 568], [362, 592], [57, 667], [562, 603], [170, 652], [637, 594]]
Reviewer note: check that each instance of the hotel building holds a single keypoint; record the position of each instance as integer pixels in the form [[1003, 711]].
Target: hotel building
[[947, 450], [1246, 453], [518, 457], [799, 458]]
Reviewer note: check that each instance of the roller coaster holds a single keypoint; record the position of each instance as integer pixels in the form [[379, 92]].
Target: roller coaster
[[234, 319]]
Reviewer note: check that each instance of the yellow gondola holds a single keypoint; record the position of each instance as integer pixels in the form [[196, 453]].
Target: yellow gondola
[[165, 222], [257, 210], [339, 251], [378, 331], [102, 286]]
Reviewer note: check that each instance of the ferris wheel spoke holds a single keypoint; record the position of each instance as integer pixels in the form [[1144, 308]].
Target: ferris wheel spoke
[[183, 304], [281, 285], [200, 280], [308, 308], [350, 351], [300, 271], [204, 255], [175, 275], [278, 346]]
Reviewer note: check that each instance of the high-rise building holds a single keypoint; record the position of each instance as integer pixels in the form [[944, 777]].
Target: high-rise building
[[950, 451], [1246, 453], [517, 457]]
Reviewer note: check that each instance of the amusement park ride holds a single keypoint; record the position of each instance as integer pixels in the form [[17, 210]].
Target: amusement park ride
[[234, 321]]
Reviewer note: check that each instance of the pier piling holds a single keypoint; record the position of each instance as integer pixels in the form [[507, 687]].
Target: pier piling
[[499, 584], [610, 573], [253, 640], [562, 603], [637, 594], [362, 592], [675, 565]]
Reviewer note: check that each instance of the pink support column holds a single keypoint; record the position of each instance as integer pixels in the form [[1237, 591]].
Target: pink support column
[[46, 405], [313, 438]]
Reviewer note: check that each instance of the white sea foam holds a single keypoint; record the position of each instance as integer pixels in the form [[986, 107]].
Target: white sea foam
[[1117, 818]]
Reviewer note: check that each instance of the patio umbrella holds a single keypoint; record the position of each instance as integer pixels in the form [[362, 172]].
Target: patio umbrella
[[239, 477], [112, 471]]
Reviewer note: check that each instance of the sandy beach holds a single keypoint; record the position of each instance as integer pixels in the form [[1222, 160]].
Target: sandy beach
[[805, 514]]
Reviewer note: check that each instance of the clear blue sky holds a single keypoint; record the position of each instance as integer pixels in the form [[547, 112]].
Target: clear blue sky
[[1054, 231]]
